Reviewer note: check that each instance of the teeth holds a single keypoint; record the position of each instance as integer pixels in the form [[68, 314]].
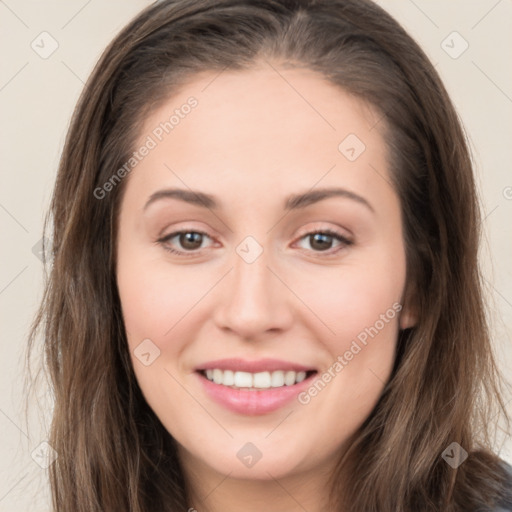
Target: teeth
[[218, 376], [289, 378], [300, 376], [277, 379], [261, 380], [242, 379], [228, 378]]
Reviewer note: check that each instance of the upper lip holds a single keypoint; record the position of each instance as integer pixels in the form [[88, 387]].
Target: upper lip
[[260, 365]]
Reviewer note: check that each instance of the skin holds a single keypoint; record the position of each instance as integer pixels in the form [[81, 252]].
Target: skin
[[251, 141]]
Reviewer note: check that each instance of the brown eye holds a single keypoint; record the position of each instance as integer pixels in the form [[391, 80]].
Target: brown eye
[[187, 241], [190, 240], [322, 241]]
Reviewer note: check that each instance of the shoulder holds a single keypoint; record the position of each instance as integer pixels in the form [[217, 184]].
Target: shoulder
[[506, 504]]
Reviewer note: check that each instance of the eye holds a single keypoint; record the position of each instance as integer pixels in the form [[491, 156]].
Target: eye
[[322, 240], [190, 240]]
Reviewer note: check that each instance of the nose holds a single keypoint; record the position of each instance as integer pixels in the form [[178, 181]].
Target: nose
[[253, 299]]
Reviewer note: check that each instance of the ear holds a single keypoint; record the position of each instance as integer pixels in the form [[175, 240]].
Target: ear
[[409, 314]]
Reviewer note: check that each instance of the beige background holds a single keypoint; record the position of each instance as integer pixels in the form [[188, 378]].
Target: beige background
[[37, 96]]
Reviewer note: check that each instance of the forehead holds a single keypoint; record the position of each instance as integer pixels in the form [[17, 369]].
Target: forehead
[[268, 125]]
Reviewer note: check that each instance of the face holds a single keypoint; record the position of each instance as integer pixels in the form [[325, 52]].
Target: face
[[262, 325]]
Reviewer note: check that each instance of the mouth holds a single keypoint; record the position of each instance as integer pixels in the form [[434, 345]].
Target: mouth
[[254, 387]]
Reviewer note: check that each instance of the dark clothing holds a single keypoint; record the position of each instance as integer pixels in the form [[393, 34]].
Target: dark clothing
[[506, 505]]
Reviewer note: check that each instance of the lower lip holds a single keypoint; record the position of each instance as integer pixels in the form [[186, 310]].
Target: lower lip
[[253, 402]]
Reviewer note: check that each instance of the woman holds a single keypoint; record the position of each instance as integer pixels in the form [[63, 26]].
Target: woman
[[264, 290]]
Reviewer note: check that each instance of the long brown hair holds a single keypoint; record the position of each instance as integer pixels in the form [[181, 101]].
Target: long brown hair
[[113, 452]]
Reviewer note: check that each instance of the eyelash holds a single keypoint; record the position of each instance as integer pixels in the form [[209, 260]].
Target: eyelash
[[344, 241]]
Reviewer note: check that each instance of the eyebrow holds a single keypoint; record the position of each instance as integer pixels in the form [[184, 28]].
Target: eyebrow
[[292, 202]]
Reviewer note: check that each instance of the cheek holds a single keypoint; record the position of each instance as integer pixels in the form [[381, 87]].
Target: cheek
[[352, 299], [163, 304], [153, 300], [360, 307], [154, 296]]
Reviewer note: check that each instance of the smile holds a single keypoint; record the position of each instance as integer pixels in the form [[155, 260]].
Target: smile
[[253, 387]]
